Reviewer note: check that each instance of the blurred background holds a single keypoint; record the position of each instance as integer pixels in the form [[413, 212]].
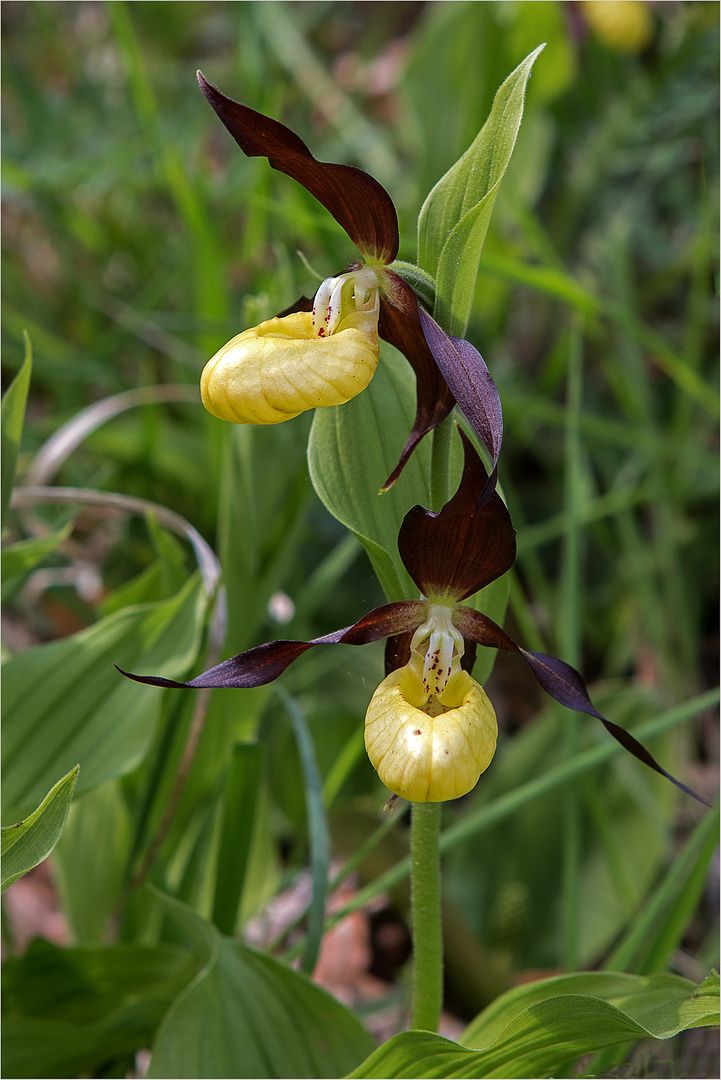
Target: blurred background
[[137, 239]]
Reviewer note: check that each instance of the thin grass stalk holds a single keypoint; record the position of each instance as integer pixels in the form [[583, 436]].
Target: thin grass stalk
[[349, 867], [209, 285], [674, 642], [569, 641], [548, 281], [318, 833], [639, 949]]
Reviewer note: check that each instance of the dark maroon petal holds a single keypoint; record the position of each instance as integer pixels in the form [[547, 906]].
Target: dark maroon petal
[[396, 618], [464, 546], [397, 652], [564, 684], [470, 382], [561, 681], [264, 663], [475, 626], [357, 201], [256, 667], [634, 747], [400, 325]]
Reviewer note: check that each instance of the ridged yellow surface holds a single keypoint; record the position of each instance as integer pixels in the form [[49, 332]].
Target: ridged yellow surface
[[429, 758], [280, 368]]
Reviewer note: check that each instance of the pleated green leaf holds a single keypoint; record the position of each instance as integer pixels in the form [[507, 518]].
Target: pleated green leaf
[[454, 219], [30, 841], [70, 1012], [65, 703], [249, 1015], [353, 448], [662, 1004], [90, 861], [532, 1030]]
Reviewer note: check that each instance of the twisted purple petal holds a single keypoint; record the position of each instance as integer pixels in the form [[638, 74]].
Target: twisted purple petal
[[561, 681], [264, 663]]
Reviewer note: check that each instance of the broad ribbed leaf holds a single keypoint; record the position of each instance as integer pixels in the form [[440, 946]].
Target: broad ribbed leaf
[[249, 1015], [30, 841], [352, 450], [77, 1012], [454, 219], [90, 861], [241, 797], [658, 1002], [533, 1030], [65, 703]]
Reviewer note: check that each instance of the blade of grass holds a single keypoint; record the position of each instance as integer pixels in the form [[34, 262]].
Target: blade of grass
[[569, 639], [240, 799], [650, 940], [549, 281], [657, 929], [318, 834], [13, 418], [325, 576], [520, 408], [209, 282], [279, 27], [342, 767], [349, 866]]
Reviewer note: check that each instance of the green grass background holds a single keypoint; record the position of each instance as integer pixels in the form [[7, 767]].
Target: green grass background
[[137, 239]]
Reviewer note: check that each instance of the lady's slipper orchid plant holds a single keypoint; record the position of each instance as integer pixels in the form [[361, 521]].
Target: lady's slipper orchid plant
[[325, 351], [430, 730]]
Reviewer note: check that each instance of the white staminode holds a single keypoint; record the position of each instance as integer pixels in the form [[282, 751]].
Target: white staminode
[[349, 300], [440, 646]]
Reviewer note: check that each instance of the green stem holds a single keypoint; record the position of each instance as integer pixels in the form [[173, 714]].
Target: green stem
[[426, 917]]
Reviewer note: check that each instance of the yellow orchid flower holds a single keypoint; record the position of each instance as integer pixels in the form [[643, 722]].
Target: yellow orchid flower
[[282, 367], [325, 351], [430, 730]]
